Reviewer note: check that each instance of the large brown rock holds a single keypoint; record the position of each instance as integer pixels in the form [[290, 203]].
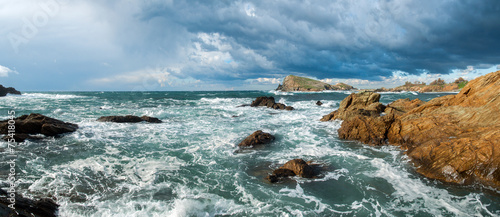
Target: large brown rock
[[270, 103], [454, 138], [363, 103], [128, 119], [295, 167], [257, 138], [37, 124], [451, 138]]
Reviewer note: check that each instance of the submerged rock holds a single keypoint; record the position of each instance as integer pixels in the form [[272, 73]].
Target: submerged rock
[[319, 103], [451, 138], [270, 103], [27, 207], [128, 119], [257, 138], [8, 90], [295, 167], [36, 124]]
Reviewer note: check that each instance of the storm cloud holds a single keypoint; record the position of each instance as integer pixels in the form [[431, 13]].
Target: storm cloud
[[210, 44]]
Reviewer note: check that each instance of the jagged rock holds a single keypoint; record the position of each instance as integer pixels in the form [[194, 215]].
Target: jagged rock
[[8, 90], [27, 207], [296, 83], [128, 119], [451, 138], [367, 129], [270, 103], [363, 103], [295, 167], [401, 106], [319, 103], [37, 124], [257, 138]]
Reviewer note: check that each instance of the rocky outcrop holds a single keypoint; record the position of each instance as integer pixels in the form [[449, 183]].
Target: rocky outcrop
[[296, 83], [295, 167], [129, 119], [451, 138], [401, 106], [8, 90], [33, 124], [270, 103], [257, 138], [27, 207], [363, 103]]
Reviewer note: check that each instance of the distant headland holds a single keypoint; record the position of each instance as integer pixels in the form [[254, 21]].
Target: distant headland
[[296, 83]]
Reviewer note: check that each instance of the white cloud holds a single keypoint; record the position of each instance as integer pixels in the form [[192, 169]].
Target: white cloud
[[265, 80], [4, 71]]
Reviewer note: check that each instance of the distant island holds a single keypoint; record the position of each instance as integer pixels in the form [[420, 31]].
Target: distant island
[[296, 83], [438, 85]]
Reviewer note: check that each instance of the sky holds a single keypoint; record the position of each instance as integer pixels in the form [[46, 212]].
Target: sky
[[149, 45]]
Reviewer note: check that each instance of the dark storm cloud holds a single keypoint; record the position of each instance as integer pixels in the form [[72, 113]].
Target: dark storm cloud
[[116, 45], [349, 39]]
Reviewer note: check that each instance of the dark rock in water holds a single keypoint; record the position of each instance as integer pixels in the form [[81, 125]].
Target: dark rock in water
[[129, 119], [319, 103], [270, 103], [37, 124], [257, 138], [295, 167], [8, 90], [300, 168], [151, 119], [242, 105], [27, 207]]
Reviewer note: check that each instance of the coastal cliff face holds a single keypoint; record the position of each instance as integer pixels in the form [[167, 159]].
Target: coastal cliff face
[[296, 83], [452, 138]]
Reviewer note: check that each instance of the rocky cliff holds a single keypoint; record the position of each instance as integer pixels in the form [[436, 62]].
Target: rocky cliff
[[296, 83], [452, 138]]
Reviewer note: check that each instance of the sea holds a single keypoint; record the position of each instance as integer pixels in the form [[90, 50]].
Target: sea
[[190, 164]]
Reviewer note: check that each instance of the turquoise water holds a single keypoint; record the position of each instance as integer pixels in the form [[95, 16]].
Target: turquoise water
[[187, 166]]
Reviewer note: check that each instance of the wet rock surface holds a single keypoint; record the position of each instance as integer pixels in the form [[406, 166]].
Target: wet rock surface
[[270, 103], [256, 138], [295, 167], [33, 124]]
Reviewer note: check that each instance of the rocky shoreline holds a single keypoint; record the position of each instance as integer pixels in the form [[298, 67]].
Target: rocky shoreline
[[451, 138]]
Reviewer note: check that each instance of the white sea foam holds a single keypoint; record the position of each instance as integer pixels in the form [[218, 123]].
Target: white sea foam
[[50, 96]]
